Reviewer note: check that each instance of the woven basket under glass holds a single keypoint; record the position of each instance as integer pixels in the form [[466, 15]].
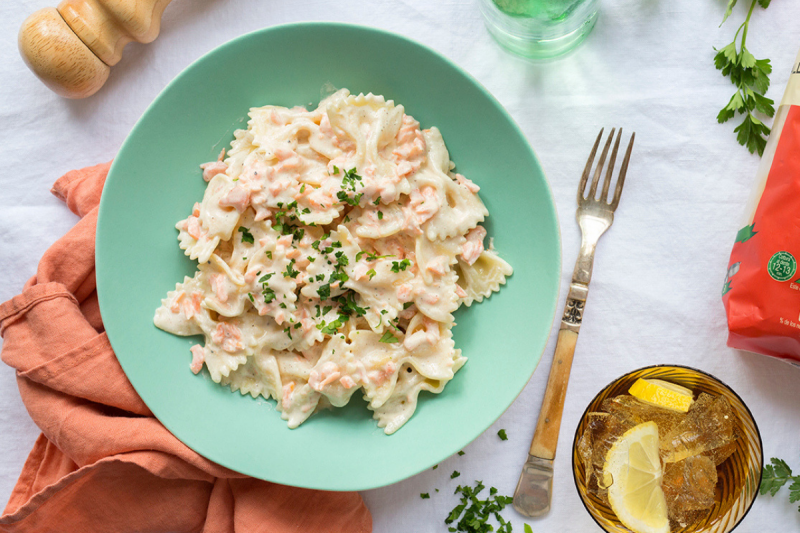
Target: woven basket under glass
[[739, 476]]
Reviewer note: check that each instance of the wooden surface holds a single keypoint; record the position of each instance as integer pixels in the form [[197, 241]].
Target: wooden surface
[[545, 439], [71, 48]]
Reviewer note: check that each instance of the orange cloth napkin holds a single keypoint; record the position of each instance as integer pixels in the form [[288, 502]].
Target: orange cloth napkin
[[103, 462]]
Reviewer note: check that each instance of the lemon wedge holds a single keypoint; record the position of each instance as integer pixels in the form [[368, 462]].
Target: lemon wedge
[[634, 469], [662, 394]]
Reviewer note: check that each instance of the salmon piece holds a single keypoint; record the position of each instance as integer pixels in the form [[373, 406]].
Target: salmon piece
[[212, 169], [228, 337], [468, 184], [238, 198], [219, 287], [472, 249], [198, 358]]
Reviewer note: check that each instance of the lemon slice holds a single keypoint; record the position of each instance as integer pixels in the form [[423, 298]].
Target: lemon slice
[[662, 394], [634, 468]]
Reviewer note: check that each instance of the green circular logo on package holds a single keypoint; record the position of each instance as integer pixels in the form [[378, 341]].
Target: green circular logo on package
[[782, 266]]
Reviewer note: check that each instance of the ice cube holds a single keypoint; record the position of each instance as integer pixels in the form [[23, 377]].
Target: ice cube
[[689, 486], [601, 432], [708, 425], [636, 412]]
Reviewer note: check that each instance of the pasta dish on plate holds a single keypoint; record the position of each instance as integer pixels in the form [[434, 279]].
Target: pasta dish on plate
[[333, 246]]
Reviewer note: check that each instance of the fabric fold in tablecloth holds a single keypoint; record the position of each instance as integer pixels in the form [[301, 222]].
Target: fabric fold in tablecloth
[[103, 462]]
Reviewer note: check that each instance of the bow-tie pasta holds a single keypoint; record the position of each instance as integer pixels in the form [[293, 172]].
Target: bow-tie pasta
[[333, 247]]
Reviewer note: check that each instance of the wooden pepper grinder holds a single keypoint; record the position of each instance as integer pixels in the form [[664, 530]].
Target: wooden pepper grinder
[[72, 48]]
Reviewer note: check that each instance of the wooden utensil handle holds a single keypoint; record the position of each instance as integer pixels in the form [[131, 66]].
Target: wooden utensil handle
[[71, 48], [545, 438]]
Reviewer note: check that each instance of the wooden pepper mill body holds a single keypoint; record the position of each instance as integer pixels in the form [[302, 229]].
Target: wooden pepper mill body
[[72, 48]]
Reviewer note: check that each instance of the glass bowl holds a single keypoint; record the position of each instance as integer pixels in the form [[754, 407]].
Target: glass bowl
[[739, 476]]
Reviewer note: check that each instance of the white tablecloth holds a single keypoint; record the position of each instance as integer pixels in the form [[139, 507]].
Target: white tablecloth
[[655, 296]]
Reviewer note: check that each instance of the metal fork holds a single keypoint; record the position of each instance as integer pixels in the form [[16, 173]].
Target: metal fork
[[595, 215]]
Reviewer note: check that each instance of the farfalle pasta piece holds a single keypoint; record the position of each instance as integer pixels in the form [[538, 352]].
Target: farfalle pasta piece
[[483, 277]]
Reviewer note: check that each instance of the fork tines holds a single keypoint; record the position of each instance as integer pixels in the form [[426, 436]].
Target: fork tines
[[583, 196]]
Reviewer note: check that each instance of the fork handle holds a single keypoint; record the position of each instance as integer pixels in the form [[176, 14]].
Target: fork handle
[[545, 438]]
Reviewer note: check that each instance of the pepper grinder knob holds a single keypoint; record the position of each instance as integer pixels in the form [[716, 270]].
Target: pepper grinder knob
[[72, 48]]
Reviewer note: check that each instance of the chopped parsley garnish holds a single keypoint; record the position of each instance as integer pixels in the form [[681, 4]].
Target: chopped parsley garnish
[[380, 215], [319, 277], [398, 266], [246, 235], [297, 325], [269, 254], [350, 178], [435, 467], [305, 211], [407, 305], [348, 306], [371, 273], [476, 512], [389, 338], [315, 245], [339, 276], [291, 272], [377, 201], [424, 495], [283, 305], [461, 452], [342, 196], [335, 169], [298, 233], [341, 259], [331, 328], [266, 292], [251, 297], [324, 291], [455, 474], [288, 331], [502, 434], [326, 309], [302, 188]]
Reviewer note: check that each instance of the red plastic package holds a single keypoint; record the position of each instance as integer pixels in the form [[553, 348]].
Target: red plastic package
[[762, 288]]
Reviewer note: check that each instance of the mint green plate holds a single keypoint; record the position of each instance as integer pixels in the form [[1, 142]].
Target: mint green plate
[[155, 180]]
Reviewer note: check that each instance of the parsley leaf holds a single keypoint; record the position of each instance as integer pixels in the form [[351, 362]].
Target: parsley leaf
[[455, 474], [502, 434], [246, 235], [324, 291], [388, 338], [290, 271], [398, 266], [528, 529], [380, 215], [424, 495], [775, 476], [371, 273], [461, 452], [750, 76]]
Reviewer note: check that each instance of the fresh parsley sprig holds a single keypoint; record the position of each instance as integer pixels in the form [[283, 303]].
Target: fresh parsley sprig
[[775, 476], [750, 76]]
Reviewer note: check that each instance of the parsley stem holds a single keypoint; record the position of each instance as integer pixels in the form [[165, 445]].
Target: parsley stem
[[747, 23]]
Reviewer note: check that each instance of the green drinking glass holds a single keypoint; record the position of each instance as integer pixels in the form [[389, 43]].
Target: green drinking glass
[[539, 29]]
